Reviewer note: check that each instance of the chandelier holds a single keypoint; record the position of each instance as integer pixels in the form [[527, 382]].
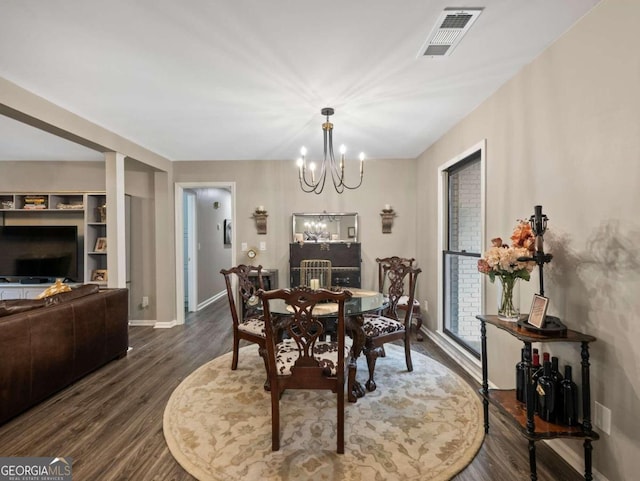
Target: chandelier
[[312, 181]]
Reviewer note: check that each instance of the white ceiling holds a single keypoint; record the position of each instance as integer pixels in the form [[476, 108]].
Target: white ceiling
[[246, 79]]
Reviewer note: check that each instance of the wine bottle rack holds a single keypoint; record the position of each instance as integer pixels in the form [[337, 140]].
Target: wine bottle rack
[[523, 415]]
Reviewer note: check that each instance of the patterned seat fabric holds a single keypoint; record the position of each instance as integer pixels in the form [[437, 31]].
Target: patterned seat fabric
[[326, 353], [404, 300], [252, 326], [378, 325]]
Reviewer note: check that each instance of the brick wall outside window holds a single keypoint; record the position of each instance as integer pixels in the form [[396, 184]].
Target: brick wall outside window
[[464, 235]]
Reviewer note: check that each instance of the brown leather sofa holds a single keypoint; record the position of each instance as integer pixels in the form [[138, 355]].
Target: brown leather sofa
[[46, 345]]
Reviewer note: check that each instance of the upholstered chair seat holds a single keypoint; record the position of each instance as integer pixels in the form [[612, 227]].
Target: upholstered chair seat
[[378, 325], [254, 325], [325, 352]]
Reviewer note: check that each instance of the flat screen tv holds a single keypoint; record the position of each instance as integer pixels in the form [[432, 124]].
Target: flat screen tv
[[38, 253]]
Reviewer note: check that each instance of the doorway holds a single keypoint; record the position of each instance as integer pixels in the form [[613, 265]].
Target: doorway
[[201, 211]]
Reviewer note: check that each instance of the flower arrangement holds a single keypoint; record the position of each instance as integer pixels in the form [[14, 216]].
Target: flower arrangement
[[502, 260]]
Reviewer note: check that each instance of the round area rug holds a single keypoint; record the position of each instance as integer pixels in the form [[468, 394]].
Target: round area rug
[[420, 425]]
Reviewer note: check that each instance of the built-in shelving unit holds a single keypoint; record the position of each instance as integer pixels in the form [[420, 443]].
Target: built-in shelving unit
[[522, 415], [95, 231], [86, 210]]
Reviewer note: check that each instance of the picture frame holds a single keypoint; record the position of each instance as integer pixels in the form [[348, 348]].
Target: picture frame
[[101, 245], [227, 232], [538, 311], [99, 275]]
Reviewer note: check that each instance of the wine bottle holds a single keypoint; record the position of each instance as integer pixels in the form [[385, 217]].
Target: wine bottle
[[520, 379], [569, 396], [536, 372], [557, 378], [547, 391]]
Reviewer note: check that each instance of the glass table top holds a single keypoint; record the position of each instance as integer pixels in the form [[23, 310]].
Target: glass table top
[[361, 302]]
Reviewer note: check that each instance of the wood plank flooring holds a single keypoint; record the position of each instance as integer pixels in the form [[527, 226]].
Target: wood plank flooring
[[110, 422]]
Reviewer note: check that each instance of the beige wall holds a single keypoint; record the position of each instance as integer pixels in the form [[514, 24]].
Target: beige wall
[[274, 185], [565, 133]]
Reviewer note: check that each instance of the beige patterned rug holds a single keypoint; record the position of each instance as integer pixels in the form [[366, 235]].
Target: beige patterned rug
[[424, 425]]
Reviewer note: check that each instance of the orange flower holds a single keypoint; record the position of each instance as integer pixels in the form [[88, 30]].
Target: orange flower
[[523, 236], [497, 242]]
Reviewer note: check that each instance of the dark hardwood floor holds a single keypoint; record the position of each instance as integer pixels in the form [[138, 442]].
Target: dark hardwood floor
[[110, 422]]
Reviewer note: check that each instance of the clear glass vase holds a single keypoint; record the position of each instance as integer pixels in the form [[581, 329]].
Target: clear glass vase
[[509, 298]]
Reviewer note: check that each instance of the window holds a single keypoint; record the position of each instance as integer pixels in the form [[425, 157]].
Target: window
[[462, 243]]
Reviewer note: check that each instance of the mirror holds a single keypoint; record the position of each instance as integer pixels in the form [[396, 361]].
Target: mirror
[[325, 227]]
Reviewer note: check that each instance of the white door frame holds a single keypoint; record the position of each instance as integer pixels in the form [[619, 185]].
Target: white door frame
[[179, 233], [191, 223]]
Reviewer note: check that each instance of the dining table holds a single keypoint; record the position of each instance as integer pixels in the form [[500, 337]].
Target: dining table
[[362, 302]]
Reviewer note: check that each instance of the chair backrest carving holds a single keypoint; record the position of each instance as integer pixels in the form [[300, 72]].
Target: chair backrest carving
[[386, 264], [402, 278], [248, 287]]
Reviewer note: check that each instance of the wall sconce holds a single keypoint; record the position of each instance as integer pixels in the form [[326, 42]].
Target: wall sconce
[[260, 216], [387, 215]]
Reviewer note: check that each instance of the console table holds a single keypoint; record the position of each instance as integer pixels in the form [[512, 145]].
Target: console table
[[522, 415]]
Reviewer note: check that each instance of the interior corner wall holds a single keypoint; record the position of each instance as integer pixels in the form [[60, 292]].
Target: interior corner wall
[[564, 133]]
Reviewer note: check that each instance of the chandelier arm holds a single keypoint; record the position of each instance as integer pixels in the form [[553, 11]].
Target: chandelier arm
[[302, 176]]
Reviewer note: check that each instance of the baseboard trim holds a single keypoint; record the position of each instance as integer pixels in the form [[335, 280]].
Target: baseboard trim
[[142, 322], [575, 460], [165, 324], [211, 300]]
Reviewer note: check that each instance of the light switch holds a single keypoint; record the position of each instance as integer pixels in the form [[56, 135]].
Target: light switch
[[244, 247], [263, 246]]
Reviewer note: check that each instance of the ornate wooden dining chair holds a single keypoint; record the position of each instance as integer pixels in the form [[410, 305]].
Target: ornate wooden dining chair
[[388, 326], [248, 322], [386, 263], [302, 359]]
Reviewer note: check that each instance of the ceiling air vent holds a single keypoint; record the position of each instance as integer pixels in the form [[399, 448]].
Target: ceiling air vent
[[450, 27]]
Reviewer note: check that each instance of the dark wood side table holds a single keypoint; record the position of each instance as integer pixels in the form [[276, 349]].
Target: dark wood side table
[[523, 415]]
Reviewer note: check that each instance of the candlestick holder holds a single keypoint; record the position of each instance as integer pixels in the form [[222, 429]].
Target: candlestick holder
[[387, 216], [538, 221], [260, 216]]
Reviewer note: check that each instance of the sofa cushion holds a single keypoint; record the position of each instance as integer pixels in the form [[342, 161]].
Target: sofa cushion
[[75, 293], [13, 306]]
